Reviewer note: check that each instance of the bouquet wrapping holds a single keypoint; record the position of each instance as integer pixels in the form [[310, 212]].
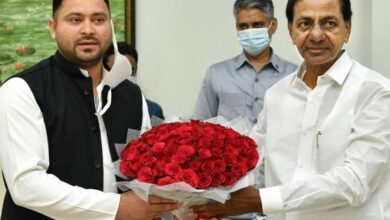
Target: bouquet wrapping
[[190, 162]]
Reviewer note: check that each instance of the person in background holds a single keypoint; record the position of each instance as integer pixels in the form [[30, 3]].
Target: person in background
[[236, 87], [131, 53], [324, 130], [60, 119]]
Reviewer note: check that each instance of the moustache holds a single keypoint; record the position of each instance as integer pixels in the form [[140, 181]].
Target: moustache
[[89, 40]]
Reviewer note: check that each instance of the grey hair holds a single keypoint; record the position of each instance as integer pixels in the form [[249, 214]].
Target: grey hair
[[265, 6]]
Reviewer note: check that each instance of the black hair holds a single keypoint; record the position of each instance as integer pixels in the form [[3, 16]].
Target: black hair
[[124, 48], [345, 6], [56, 4]]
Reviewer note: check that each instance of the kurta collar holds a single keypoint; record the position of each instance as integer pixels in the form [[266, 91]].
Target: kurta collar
[[337, 72], [340, 69]]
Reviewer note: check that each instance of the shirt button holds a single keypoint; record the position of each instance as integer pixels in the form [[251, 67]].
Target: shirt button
[[256, 80], [87, 92], [255, 120], [256, 99], [98, 165], [94, 129]]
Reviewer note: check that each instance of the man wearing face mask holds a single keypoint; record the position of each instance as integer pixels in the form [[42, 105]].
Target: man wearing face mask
[[236, 87]]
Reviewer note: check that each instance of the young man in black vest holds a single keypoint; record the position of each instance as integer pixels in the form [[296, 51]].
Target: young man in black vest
[[59, 121]]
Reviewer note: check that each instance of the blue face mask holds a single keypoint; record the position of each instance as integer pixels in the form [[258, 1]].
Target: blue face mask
[[254, 40]]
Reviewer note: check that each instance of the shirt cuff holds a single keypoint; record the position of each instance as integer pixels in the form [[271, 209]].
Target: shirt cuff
[[271, 200]]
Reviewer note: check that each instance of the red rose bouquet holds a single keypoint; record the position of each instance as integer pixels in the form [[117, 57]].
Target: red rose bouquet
[[191, 162]]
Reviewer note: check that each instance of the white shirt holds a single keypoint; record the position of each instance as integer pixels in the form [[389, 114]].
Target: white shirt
[[326, 150], [24, 160]]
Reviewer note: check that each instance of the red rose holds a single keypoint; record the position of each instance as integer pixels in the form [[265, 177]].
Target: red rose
[[232, 150], [253, 157], [205, 142], [218, 142], [208, 166], [158, 147], [179, 158], [184, 128], [204, 153], [188, 176], [163, 137], [232, 134], [248, 142], [145, 174], [187, 150], [220, 166], [171, 169], [229, 159], [204, 180], [195, 165], [217, 179], [150, 138], [188, 139], [136, 165], [147, 159], [230, 178], [239, 169], [165, 181], [216, 151], [208, 131], [170, 147], [219, 136], [158, 168], [133, 155], [126, 170]]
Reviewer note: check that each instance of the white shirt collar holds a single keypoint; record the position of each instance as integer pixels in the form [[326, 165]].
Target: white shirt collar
[[86, 74], [338, 71]]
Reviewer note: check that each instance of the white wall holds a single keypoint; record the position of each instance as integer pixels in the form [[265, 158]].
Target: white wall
[[381, 36], [178, 39], [361, 32]]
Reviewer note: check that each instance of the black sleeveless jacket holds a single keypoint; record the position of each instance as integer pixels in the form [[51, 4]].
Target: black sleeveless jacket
[[65, 98]]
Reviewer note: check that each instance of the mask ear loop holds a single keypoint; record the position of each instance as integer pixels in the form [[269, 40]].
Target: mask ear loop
[[114, 42], [101, 110], [120, 70]]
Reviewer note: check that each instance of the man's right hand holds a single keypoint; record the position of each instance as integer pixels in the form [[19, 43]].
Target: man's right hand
[[132, 207]]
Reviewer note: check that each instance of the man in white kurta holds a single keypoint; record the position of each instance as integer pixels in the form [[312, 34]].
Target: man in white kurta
[[324, 132], [326, 149]]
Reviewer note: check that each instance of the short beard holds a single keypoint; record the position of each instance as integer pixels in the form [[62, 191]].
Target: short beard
[[84, 64], [79, 61]]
